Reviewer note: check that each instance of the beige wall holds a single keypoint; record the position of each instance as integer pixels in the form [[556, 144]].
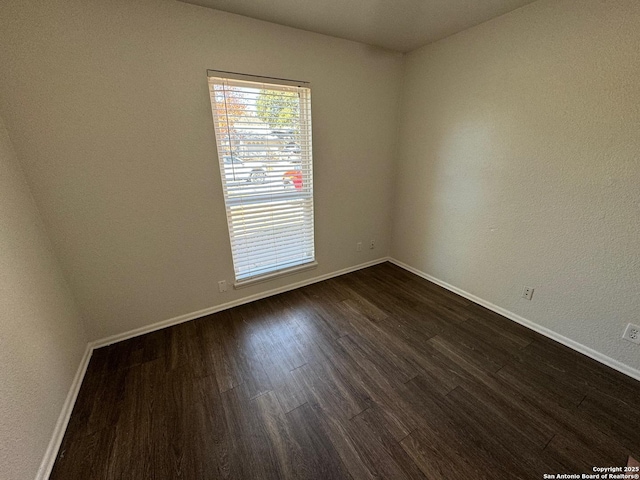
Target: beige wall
[[107, 103], [519, 164], [41, 336]]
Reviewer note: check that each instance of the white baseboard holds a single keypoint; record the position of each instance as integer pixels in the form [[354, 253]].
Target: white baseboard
[[63, 420], [589, 352], [224, 306]]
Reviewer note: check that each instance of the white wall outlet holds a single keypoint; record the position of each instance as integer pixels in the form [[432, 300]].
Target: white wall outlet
[[527, 292], [372, 244], [632, 333], [222, 286], [359, 247]]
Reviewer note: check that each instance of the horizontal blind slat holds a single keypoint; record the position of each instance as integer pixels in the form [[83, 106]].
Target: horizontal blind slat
[[255, 272], [294, 238], [257, 261]]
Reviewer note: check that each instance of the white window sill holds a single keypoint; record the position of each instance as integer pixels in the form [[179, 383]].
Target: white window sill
[[271, 276]]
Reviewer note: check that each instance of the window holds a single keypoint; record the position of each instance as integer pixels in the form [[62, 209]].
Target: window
[[263, 135]]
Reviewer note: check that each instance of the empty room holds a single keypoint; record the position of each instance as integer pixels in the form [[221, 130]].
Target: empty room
[[328, 239]]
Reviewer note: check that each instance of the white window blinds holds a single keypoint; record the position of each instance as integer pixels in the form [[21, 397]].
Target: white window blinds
[[263, 135]]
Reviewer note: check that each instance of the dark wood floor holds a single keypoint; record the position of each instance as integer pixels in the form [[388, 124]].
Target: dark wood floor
[[375, 374]]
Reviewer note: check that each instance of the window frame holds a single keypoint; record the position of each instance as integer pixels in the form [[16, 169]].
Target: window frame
[[265, 198]]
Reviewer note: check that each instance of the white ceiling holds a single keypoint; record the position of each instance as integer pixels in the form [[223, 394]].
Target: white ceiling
[[402, 25]]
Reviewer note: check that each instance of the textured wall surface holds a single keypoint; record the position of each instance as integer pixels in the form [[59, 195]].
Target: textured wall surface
[[108, 108], [520, 165], [41, 336]]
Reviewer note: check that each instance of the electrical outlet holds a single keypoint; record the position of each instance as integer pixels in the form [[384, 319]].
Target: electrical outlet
[[359, 247], [222, 286], [632, 334], [527, 293], [372, 244]]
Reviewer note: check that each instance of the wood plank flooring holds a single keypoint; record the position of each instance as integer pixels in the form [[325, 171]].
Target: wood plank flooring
[[374, 374]]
